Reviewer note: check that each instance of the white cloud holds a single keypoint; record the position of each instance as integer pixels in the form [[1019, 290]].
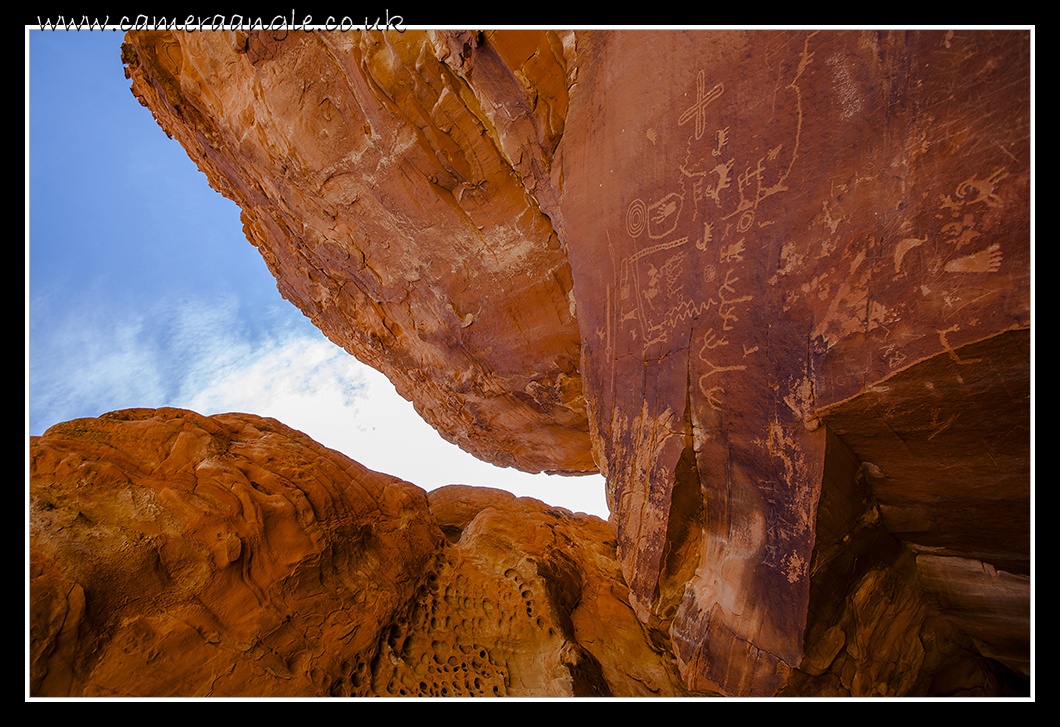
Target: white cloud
[[80, 361]]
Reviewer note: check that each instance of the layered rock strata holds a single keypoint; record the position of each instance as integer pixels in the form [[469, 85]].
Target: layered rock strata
[[774, 244], [174, 554]]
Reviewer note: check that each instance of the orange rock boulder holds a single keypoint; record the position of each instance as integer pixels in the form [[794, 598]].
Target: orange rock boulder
[[177, 555]]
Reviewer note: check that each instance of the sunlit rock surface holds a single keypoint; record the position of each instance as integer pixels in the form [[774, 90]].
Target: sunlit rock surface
[[774, 284], [400, 208], [174, 554]]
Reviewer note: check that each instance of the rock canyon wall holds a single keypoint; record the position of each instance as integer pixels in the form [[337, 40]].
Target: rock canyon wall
[[775, 285], [799, 229]]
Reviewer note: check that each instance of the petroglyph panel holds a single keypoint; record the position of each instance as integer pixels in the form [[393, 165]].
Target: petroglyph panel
[[780, 220]]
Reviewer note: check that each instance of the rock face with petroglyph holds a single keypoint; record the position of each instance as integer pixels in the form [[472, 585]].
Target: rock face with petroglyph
[[799, 266], [174, 554], [771, 231]]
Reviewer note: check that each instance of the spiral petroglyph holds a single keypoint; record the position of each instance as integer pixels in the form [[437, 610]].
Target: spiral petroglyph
[[636, 218]]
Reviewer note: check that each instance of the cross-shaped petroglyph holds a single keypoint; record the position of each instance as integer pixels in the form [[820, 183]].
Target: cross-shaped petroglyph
[[698, 110]]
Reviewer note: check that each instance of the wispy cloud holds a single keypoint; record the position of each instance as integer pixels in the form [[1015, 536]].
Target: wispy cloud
[[82, 360], [197, 353]]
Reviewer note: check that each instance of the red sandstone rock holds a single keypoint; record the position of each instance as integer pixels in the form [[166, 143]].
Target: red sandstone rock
[[765, 229], [539, 590], [179, 555], [387, 195], [781, 246]]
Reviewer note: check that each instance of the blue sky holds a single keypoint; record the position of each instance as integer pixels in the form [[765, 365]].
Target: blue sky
[[143, 291]]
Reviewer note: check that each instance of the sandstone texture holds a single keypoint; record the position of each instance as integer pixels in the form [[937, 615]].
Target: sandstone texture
[[180, 555], [395, 205], [779, 235], [775, 285]]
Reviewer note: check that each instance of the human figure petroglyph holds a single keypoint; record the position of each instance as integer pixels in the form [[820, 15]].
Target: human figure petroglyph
[[707, 238], [662, 282], [701, 190], [723, 139]]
